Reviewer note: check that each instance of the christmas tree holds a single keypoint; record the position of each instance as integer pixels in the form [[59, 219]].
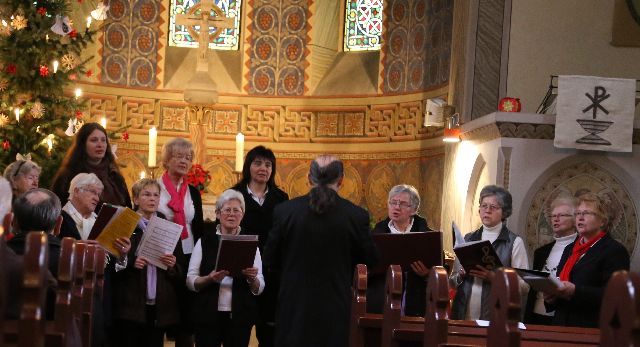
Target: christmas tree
[[40, 60]]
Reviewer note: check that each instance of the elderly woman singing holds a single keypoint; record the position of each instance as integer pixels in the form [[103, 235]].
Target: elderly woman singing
[[225, 307]]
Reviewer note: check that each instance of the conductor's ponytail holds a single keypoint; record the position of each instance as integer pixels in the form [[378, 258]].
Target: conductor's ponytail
[[322, 197]]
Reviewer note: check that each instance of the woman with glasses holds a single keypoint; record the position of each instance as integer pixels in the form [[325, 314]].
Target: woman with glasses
[[472, 296], [261, 196], [181, 203], [90, 152], [402, 207], [225, 307], [78, 217], [547, 257], [23, 175], [587, 264]]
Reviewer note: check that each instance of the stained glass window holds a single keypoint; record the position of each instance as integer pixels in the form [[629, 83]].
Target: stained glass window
[[180, 36], [363, 25]]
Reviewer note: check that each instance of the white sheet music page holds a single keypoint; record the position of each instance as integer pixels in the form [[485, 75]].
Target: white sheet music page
[[160, 238]]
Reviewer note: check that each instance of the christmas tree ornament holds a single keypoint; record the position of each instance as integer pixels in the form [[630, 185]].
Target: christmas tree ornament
[[11, 68], [89, 73], [73, 34], [71, 129], [44, 71], [3, 85], [37, 110], [68, 61], [5, 29], [42, 11], [62, 26], [6, 145], [78, 115], [125, 136], [100, 13], [73, 77], [19, 22], [4, 120]]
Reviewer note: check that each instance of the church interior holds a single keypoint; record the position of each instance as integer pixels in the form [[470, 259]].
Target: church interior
[[290, 84], [294, 76]]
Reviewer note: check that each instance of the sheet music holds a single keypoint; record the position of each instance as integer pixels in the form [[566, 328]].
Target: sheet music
[[159, 239], [122, 224]]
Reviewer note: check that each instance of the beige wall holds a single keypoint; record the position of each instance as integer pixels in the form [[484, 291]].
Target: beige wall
[[550, 37]]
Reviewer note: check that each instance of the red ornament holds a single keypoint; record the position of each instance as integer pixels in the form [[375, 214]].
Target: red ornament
[[42, 11], [78, 115], [73, 77], [125, 136], [89, 73], [508, 104], [6, 145], [73, 34], [44, 71], [12, 68]]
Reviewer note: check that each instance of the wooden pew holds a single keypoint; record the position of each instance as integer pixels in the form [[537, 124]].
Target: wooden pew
[[505, 298], [31, 325], [4, 283], [620, 312], [88, 294], [358, 305]]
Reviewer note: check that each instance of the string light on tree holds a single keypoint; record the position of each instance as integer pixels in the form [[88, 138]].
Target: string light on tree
[[55, 66], [17, 113], [78, 92]]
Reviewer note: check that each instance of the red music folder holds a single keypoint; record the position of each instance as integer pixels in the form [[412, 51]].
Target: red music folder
[[404, 249]]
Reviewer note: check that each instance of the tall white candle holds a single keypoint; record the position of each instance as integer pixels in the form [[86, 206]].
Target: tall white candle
[[153, 142], [239, 151], [17, 111], [55, 66], [143, 174], [103, 122]]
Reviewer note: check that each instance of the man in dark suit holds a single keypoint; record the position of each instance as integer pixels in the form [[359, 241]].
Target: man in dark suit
[[315, 243], [547, 257]]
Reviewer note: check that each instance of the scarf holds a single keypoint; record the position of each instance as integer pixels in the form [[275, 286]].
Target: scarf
[[152, 272], [84, 225], [176, 204], [578, 251], [111, 192]]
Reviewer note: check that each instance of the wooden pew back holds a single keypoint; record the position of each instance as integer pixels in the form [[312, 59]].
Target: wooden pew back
[[620, 311], [358, 304], [4, 282], [88, 293], [393, 303], [505, 309], [31, 326], [436, 320], [63, 320]]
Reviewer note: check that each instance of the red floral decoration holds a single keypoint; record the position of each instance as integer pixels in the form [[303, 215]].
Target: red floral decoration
[[125, 136], [12, 68], [73, 77], [44, 71], [508, 104], [42, 11], [6, 145], [73, 34], [198, 177], [89, 73], [78, 115]]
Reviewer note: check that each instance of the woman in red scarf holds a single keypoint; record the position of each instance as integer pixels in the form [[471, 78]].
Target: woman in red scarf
[[181, 203], [587, 264]]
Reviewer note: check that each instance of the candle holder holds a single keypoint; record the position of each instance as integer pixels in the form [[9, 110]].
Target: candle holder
[[150, 172]]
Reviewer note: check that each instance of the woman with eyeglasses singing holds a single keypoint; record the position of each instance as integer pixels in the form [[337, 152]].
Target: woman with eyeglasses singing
[[587, 264], [225, 308], [23, 175], [472, 296], [90, 152], [181, 203], [402, 205]]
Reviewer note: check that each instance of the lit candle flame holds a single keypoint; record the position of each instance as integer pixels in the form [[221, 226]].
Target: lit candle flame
[[78, 92]]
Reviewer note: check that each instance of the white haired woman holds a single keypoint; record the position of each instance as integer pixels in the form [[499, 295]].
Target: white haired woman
[[78, 218], [225, 307], [403, 204]]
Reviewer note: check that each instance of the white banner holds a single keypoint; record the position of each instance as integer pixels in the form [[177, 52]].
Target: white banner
[[595, 113]]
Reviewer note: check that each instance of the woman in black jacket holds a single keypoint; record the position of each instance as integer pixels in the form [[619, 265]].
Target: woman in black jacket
[[261, 195], [145, 295]]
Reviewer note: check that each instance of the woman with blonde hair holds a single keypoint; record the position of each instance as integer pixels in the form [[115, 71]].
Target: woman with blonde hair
[[22, 174]]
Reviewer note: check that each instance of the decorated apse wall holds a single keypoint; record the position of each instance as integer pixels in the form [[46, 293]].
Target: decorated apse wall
[[265, 93]]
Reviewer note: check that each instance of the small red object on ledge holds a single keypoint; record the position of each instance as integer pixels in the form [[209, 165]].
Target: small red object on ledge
[[509, 104]]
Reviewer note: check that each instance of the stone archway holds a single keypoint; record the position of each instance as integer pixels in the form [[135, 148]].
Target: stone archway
[[570, 179]]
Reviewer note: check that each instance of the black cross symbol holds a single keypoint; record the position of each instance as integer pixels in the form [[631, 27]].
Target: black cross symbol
[[599, 95]]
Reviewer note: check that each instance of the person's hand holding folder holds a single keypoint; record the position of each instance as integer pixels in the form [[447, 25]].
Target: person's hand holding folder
[[482, 273], [250, 274]]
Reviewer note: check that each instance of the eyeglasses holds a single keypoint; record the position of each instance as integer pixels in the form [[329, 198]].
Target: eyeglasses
[[584, 213], [400, 204], [561, 215], [490, 207], [230, 210], [92, 191], [181, 156]]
